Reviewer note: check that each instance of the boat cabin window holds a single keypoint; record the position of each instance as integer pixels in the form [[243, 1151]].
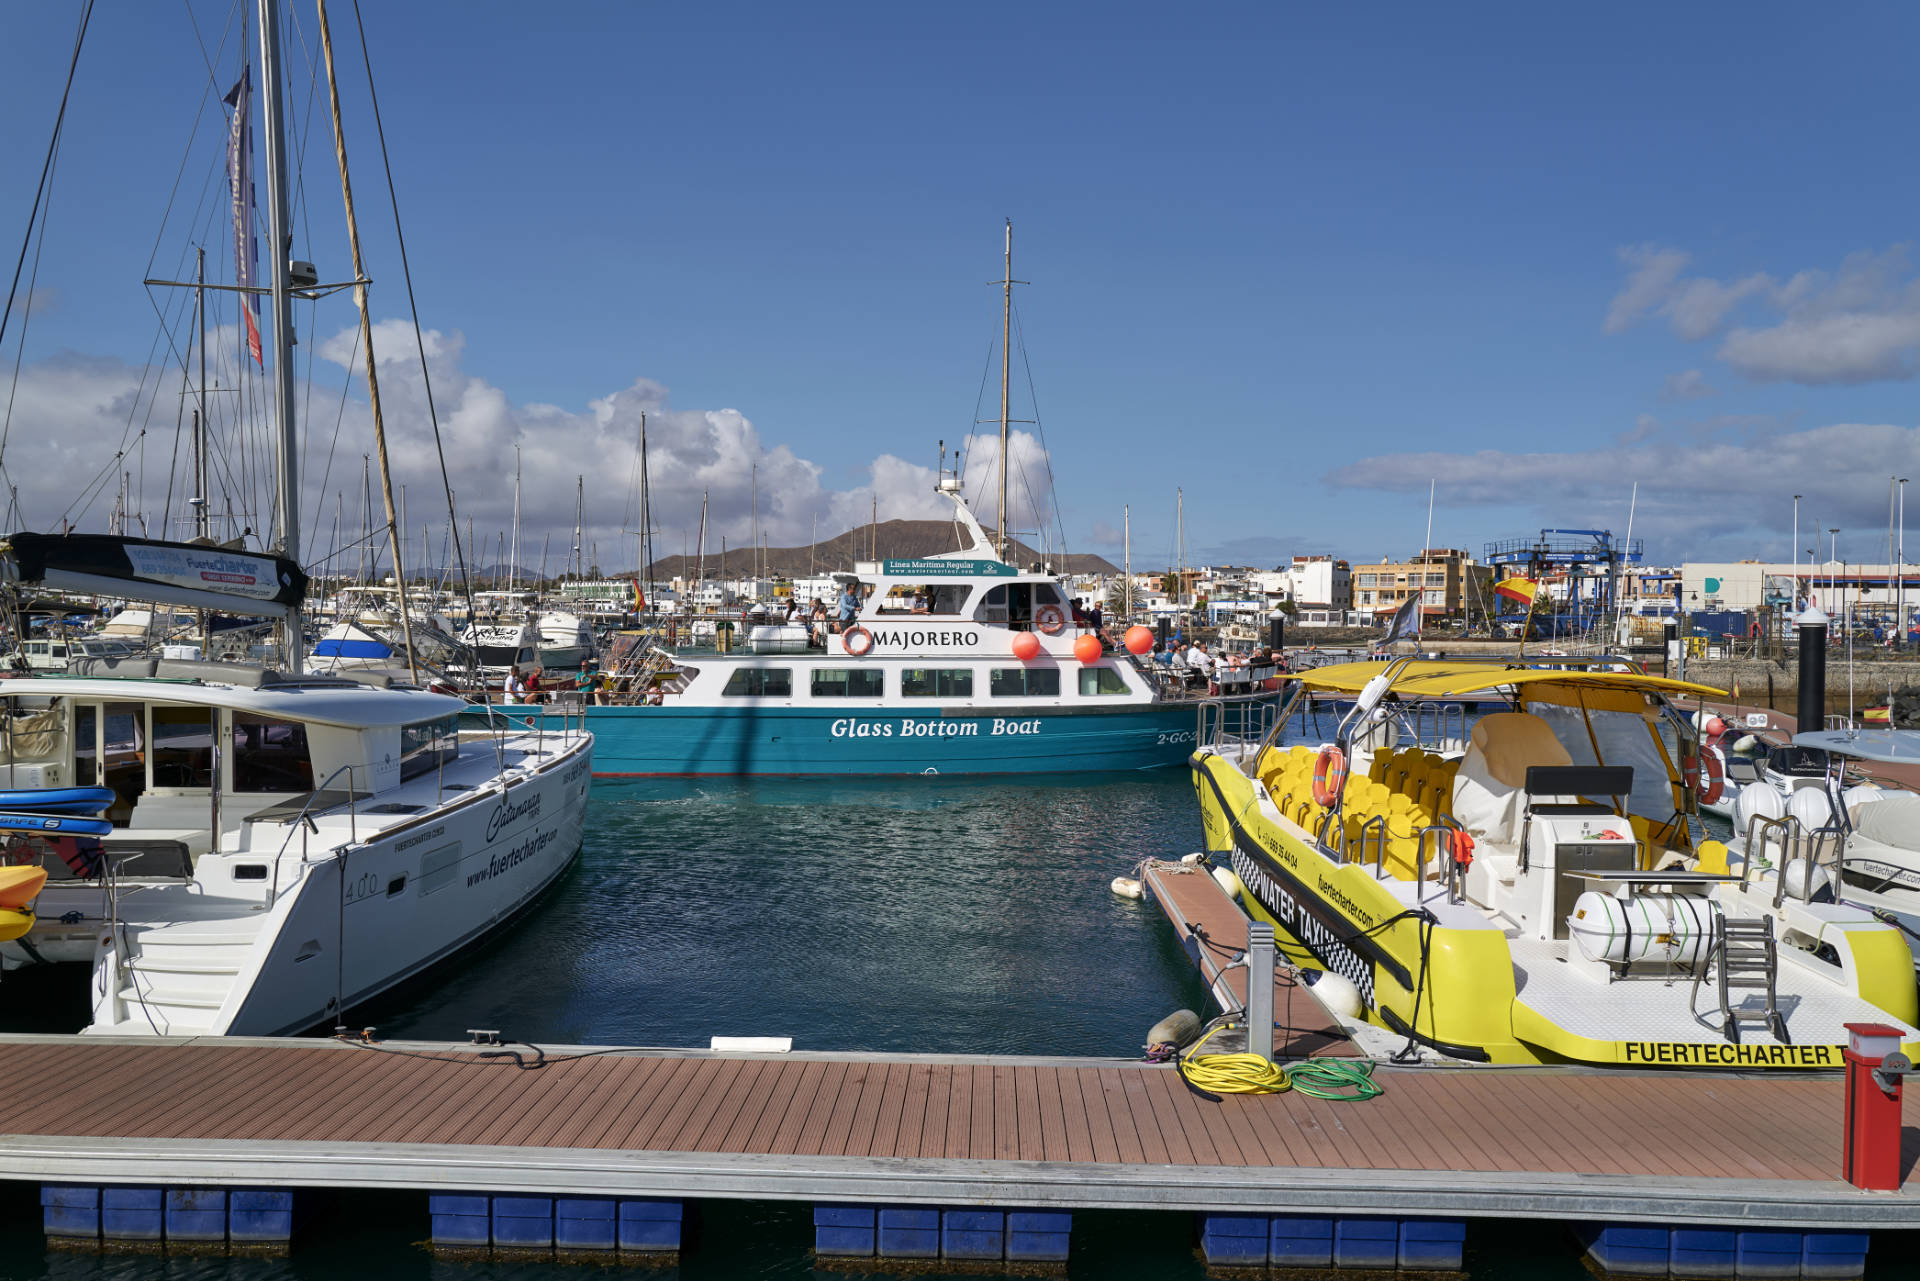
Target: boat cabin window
[[849, 682], [502, 655], [927, 598], [183, 747], [1100, 682], [423, 746], [760, 682], [936, 682], [1024, 682], [86, 745], [270, 755]]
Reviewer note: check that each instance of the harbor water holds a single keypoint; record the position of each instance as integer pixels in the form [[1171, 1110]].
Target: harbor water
[[923, 915]]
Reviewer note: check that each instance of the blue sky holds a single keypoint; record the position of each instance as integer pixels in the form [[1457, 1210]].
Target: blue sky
[[1296, 260]]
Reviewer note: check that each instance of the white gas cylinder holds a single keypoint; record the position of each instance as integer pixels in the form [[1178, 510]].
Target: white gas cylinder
[[1646, 927]]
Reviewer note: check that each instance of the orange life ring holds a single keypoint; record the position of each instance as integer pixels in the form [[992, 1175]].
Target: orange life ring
[[1712, 776], [1049, 619], [1329, 774], [863, 636]]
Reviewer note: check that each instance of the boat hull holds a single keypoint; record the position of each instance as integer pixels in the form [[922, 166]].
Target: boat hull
[[639, 742], [1463, 992]]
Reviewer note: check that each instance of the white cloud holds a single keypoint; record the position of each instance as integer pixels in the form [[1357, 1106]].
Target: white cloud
[[1858, 324], [71, 413], [1688, 385], [1701, 497]]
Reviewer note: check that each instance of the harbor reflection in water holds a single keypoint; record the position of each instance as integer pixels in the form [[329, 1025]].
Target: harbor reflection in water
[[928, 915]]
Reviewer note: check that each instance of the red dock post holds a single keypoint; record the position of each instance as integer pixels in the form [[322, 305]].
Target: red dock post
[[1870, 1154]]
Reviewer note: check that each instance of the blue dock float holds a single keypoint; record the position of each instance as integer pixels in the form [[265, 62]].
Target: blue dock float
[[187, 1217], [1369, 1243], [1746, 1254], [512, 1224]]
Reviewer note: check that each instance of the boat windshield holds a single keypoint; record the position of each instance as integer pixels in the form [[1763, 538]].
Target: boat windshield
[[498, 655], [1796, 761]]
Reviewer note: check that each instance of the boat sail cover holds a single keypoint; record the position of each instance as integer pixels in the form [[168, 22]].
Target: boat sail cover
[[194, 575]]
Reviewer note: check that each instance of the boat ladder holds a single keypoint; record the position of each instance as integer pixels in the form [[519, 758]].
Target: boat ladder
[[1742, 956]]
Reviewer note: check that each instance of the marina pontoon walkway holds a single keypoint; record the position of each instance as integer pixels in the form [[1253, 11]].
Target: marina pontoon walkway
[[1651, 1148]]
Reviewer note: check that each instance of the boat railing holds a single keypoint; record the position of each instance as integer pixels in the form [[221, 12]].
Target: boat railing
[[1434, 725], [1236, 721], [1812, 849]]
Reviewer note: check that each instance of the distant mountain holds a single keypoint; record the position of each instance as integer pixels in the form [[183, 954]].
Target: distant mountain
[[891, 539]]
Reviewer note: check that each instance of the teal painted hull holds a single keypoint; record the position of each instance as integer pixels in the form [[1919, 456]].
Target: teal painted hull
[[632, 742]]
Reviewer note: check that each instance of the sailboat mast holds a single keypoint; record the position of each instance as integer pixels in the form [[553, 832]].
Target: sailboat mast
[[1126, 557], [200, 516], [513, 562], [395, 540], [1006, 375], [579, 520], [646, 516], [700, 547], [280, 316]]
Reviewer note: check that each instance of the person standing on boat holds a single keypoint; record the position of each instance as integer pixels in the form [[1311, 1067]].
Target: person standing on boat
[[849, 606], [516, 688]]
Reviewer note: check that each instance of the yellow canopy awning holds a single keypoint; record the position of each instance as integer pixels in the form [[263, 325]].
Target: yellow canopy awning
[[1452, 678]]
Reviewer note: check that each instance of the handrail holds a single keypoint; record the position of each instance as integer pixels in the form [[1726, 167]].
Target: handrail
[[305, 816]]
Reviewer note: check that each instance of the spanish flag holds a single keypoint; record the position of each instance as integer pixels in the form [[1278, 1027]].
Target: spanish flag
[[639, 597], [1520, 589]]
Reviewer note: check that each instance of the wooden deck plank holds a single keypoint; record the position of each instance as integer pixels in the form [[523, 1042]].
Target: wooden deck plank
[[192, 1091], [980, 1118], [821, 1111], [913, 1113], [1073, 1114], [893, 1104], [933, 1132], [268, 1112], [1048, 1130], [786, 1081], [733, 1127], [1212, 1132], [694, 1093], [1006, 1113], [722, 1084], [882, 1095], [1469, 1130], [863, 1083], [559, 1086], [642, 1112], [1135, 1134], [1102, 1129], [959, 1124], [441, 1113], [608, 1099]]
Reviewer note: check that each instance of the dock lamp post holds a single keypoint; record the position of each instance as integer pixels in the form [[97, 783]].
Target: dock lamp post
[[1833, 559], [1796, 550], [1899, 584]]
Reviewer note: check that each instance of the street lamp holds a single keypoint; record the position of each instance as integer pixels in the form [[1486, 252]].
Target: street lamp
[[1833, 558], [1796, 558]]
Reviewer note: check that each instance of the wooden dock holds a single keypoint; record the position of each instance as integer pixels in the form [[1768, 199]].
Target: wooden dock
[[1214, 933], [910, 1129]]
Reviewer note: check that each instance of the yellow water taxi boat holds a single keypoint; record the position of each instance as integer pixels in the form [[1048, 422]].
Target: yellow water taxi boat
[[1493, 862]]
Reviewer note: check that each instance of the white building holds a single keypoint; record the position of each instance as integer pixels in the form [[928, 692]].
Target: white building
[[1320, 583], [1836, 585]]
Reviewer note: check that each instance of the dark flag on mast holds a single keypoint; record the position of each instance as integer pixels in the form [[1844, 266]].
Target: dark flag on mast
[[240, 180], [1405, 624]]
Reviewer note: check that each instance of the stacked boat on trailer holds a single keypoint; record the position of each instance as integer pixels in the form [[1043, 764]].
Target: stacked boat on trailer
[[1535, 887]]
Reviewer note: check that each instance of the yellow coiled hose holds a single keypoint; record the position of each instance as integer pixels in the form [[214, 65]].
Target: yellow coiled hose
[[1343, 1080]]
